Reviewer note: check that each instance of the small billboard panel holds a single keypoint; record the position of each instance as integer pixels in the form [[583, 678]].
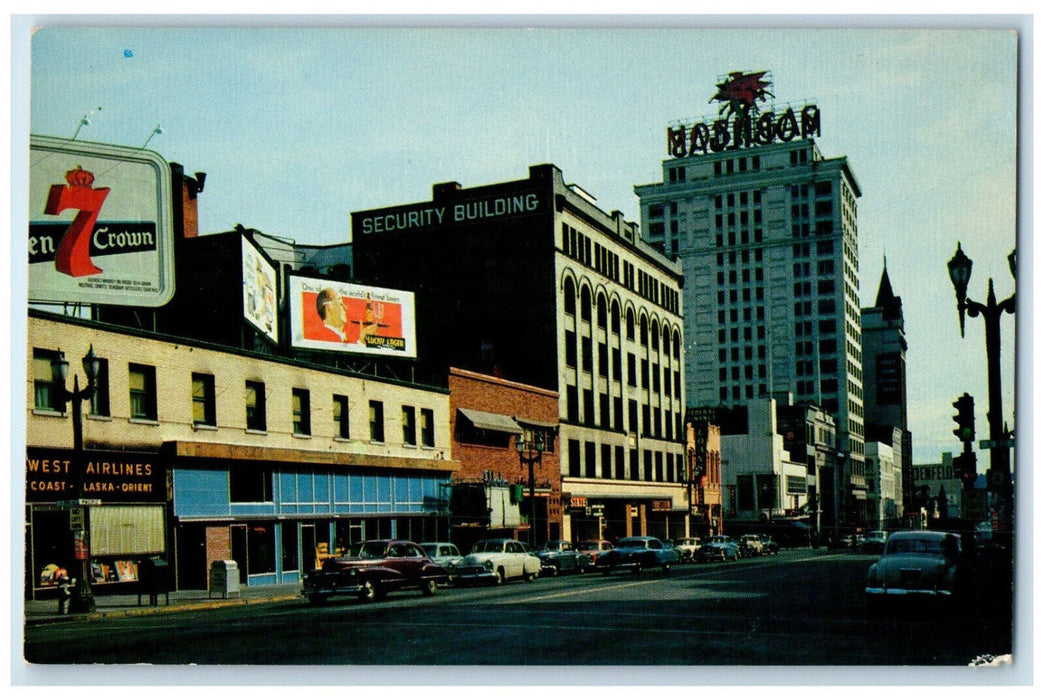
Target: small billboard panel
[[342, 317], [259, 291], [100, 224]]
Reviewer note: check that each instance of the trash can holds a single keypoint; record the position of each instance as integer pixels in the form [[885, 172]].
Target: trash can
[[224, 578], [153, 579]]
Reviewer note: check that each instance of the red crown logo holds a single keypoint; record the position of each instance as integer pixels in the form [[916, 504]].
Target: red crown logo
[[79, 177]]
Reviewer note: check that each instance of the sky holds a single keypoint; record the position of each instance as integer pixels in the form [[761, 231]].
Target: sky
[[297, 128]]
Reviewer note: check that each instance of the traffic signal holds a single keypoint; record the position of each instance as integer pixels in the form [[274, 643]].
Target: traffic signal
[[965, 418], [964, 469]]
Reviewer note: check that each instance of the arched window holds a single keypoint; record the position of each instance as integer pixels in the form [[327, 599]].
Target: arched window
[[614, 319], [585, 303], [601, 311], [630, 324], [570, 297], [643, 337]]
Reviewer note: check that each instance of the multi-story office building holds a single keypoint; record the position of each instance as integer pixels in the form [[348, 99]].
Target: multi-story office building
[[764, 228], [531, 281]]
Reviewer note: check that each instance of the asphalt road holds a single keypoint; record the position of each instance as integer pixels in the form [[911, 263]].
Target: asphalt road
[[802, 607]]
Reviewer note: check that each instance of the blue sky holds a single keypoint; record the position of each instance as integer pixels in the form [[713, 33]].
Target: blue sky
[[296, 128]]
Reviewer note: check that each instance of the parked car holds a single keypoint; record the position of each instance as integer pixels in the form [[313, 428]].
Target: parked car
[[372, 569], [875, 542], [769, 545], [687, 547], [445, 554], [751, 546], [559, 556], [638, 553], [719, 548], [917, 563], [496, 561], [594, 549]]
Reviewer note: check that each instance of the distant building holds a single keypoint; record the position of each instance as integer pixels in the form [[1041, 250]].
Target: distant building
[[809, 432], [885, 487], [705, 493]]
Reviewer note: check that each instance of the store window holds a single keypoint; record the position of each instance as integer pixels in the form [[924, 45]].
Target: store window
[[251, 484], [203, 412], [255, 406], [142, 383]]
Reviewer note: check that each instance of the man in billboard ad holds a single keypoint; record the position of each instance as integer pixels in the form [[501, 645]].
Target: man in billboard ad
[[328, 315], [100, 224]]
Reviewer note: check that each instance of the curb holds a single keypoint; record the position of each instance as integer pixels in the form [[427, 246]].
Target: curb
[[155, 610]]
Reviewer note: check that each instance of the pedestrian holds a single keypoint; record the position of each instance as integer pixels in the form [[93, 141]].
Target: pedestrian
[[64, 592]]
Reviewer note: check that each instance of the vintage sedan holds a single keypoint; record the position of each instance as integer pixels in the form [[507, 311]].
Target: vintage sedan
[[687, 547], [875, 542], [917, 563], [560, 556], [751, 545], [637, 554], [594, 549], [496, 561], [719, 548], [372, 569], [445, 554]]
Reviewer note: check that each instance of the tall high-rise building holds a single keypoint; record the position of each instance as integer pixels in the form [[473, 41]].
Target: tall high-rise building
[[764, 227]]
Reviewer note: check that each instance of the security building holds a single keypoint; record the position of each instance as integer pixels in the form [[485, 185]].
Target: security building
[[197, 453], [764, 228], [529, 280]]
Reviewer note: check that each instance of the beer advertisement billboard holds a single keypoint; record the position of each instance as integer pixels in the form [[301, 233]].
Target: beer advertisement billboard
[[259, 291], [100, 224], [342, 317]]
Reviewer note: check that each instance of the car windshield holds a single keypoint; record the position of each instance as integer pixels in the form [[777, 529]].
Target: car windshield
[[368, 550], [631, 542], [488, 546]]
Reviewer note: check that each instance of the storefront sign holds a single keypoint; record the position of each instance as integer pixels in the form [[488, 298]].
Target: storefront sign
[[51, 476], [578, 501], [659, 506]]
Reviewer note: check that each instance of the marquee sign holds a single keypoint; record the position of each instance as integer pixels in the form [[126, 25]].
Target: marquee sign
[[438, 214], [741, 123], [100, 224]]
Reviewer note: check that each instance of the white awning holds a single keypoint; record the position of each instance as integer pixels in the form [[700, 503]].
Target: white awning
[[534, 423], [491, 421]]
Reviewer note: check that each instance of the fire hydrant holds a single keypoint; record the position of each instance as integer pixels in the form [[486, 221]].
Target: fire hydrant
[[65, 586]]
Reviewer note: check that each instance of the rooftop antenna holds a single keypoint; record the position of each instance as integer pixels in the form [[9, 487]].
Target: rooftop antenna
[[84, 121], [157, 130]]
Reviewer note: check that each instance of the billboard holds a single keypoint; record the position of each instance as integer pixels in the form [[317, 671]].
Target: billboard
[[342, 317], [100, 224], [259, 291]]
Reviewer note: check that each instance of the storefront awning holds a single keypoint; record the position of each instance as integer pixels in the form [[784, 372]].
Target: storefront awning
[[533, 423], [491, 421]]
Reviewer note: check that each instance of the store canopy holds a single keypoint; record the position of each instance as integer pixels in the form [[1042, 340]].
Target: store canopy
[[533, 423], [491, 421]]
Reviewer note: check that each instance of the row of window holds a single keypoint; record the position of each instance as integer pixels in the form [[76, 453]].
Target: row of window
[[647, 334], [616, 463], [142, 401], [664, 425]]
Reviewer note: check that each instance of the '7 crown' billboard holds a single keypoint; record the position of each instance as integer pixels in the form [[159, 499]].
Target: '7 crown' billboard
[[100, 224], [329, 315]]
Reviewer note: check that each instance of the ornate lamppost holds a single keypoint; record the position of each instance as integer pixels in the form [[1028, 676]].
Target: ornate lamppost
[[530, 452], [83, 596], [999, 480]]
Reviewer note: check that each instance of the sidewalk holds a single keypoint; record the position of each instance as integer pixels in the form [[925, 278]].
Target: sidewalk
[[46, 610]]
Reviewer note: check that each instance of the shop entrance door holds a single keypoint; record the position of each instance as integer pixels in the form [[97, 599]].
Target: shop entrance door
[[308, 558], [192, 557], [239, 550]]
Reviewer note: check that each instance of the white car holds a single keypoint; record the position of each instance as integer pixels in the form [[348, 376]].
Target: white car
[[445, 554], [497, 561]]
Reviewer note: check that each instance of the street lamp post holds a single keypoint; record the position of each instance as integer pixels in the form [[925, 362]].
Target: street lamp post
[[83, 596], [529, 454], [960, 267]]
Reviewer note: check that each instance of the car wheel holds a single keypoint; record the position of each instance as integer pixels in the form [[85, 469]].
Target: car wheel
[[370, 592], [638, 569], [317, 599], [429, 587], [499, 577], [606, 570], [666, 568], [556, 569], [528, 576]]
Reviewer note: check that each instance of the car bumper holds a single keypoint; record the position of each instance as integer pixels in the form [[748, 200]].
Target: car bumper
[[327, 591], [883, 591]]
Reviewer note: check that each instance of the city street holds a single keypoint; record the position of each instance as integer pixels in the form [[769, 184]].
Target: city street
[[801, 607]]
